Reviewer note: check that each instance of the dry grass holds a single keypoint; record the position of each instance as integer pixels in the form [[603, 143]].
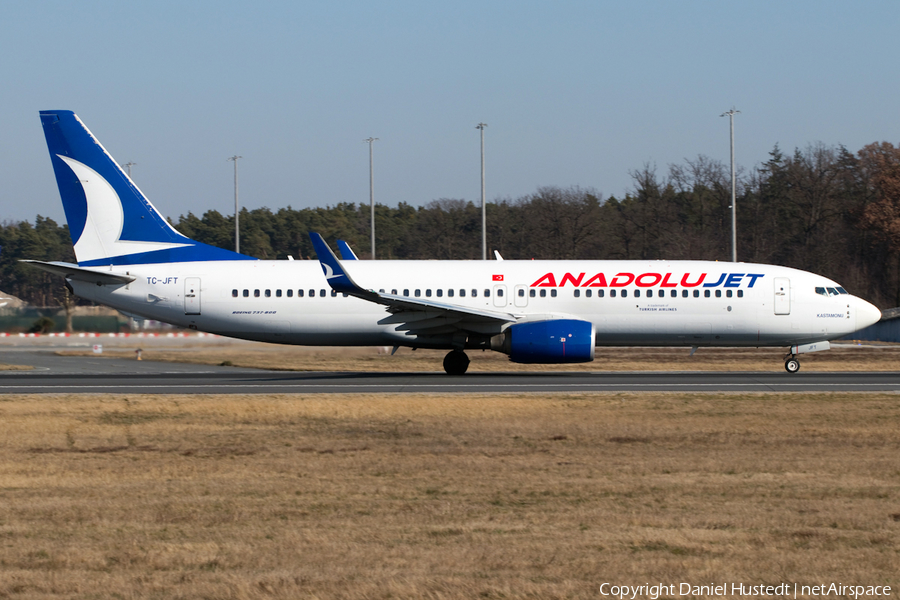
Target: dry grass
[[15, 367], [443, 496], [297, 358]]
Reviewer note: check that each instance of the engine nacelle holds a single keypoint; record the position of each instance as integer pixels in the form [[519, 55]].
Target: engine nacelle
[[547, 342]]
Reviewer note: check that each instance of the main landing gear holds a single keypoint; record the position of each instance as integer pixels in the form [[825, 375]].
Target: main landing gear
[[456, 362], [792, 365]]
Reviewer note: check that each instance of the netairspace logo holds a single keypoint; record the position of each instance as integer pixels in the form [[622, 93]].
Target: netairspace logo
[[782, 590]]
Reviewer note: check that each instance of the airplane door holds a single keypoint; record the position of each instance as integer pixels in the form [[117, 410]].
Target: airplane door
[[782, 296], [500, 296], [521, 296], [192, 296]]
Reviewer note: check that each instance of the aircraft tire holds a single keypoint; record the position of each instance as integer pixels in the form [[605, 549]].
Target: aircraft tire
[[792, 365], [456, 362]]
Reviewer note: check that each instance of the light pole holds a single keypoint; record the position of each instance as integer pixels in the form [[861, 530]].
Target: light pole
[[730, 114], [128, 166], [481, 126], [237, 227], [371, 141]]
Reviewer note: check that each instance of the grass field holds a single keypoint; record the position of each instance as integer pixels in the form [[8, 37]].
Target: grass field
[[298, 358], [443, 496]]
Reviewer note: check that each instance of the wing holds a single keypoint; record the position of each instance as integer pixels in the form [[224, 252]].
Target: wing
[[417, 316]]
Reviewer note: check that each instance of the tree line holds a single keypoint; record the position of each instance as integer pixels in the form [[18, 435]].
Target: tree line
[[821, 209]]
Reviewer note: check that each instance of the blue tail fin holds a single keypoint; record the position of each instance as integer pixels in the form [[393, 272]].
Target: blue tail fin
[[111, 222]]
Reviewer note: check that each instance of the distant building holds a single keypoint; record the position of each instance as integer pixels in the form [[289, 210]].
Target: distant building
[[885, 330]]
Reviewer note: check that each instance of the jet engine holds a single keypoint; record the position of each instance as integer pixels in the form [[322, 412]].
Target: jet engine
[[547, 342]]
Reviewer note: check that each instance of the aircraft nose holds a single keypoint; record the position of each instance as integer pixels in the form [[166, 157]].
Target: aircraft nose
[[866, 314]]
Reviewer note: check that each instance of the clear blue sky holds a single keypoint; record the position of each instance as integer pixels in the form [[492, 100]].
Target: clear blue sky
[[574, 93]]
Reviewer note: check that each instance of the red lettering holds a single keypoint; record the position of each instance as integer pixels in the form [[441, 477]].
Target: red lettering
[[598, 278], [665, 281], [569, 277], [614, 282], [684, 281], [641, 283], [547, 280]]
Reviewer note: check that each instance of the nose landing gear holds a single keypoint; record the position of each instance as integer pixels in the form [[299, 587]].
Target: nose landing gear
[[792, 365], [456, 362]]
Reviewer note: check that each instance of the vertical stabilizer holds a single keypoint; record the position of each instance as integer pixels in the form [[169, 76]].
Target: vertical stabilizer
[[110, 220]]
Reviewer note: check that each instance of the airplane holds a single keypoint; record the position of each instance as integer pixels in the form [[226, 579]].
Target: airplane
[[536, 311]]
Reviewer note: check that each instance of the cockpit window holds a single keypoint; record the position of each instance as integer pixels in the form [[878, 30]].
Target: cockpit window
[[832, 292], [842, 291], [821, 290]]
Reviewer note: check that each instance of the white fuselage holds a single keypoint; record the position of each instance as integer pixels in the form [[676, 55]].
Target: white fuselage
[[291, 302]]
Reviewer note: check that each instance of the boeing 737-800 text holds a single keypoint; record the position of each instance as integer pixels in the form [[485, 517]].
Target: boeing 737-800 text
[[536, 311]]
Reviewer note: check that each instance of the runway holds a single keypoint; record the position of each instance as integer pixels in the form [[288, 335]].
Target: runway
[[63, 375]]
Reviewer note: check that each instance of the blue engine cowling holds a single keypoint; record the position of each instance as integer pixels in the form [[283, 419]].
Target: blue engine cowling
[[547, 342]]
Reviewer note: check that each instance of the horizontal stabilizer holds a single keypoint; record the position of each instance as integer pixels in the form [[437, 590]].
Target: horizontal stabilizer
[[70, 271]]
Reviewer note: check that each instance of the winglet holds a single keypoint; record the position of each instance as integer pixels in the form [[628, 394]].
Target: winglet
[[346, 251], [334, 271]]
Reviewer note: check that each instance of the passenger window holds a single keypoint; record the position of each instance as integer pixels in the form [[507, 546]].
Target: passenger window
[[312, 293], [553, 293], [474, 293], [290, 293], [246, 293], [637, 293], [450, 293], [520, 292], [531, 293], [587, 293], [418, 293], [256, 293], [706, 293], [268, 293], [577, 293], [428, 293], [440, 293], [718, 293], [381, 291], [600, 293], [487, 293], [673, 294], [740, 293], [612, 293], [334, 293], [650, 293], [278, 293], [299, 293], [393, 292], [728, 293], [684, 293], [234, 294], [321, 293], [697, 293], [500, 292], [543, 293], [462, 293], [406, 293], [624, 293]]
